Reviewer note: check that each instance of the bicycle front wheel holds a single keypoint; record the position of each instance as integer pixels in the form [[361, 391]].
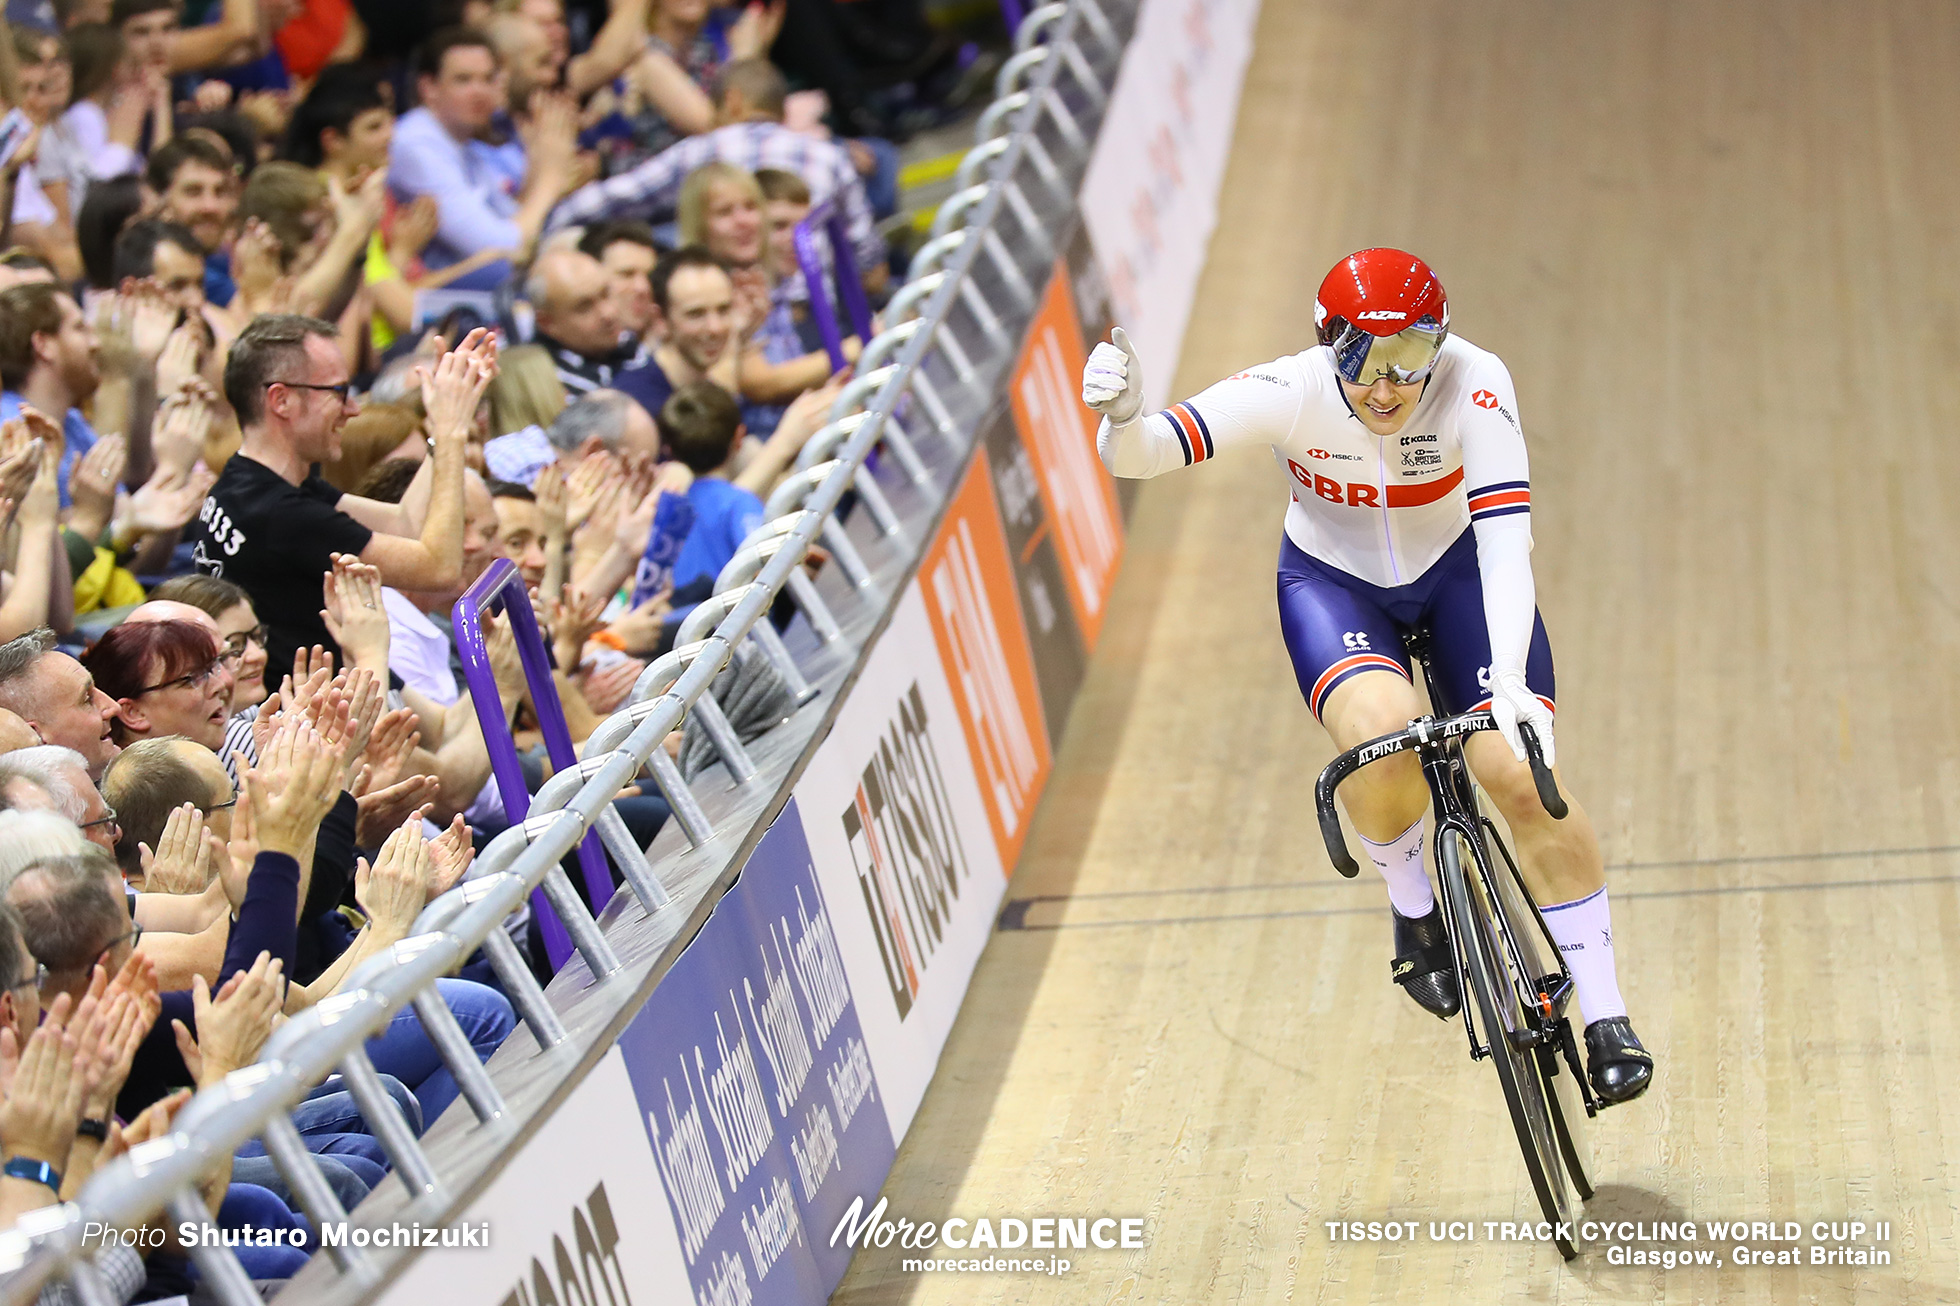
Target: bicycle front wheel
[[1506, 1030], [1558, 1062]]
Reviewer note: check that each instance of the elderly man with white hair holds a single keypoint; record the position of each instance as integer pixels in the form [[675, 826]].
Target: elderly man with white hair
[[61, 775], [607, 420]]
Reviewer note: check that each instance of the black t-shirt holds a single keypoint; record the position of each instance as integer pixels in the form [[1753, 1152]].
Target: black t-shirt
[[276, 541]]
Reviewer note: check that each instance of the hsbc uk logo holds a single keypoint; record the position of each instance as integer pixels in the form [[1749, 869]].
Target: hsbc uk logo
[[1485, 399], [1337, 457]]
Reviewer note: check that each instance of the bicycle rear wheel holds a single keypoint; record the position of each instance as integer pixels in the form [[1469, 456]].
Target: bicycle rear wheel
[[1559, 1063], [1504, 1023]]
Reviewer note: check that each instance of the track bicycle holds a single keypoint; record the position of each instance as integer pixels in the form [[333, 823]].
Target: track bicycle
[[1502, 950]]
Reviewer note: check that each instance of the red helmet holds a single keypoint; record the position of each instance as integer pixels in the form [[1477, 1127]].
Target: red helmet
[[1385, 315]]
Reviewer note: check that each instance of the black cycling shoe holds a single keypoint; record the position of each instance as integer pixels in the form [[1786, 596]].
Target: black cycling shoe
[[1620, 1069], [1423, 965]]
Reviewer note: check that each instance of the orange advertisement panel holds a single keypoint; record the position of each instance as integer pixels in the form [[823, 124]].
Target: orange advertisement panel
[[1060, 434], [967, 580]]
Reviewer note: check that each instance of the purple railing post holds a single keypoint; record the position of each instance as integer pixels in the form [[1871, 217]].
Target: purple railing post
[[1012, 14], [827, 218], [501, 581]]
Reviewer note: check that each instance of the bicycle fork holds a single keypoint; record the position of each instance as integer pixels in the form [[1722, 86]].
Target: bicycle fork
[[1445, 779]]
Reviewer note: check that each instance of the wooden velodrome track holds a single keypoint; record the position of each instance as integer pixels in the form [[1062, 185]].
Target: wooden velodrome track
[[1716, 245]]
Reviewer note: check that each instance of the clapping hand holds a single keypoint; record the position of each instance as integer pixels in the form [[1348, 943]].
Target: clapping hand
[[20, 457], [756, 30], [293, 787], [389, 747], [551, 492], [177, 365], [413, 228], [126, 1008], [171, 498], [44, 1084], [355, 615], [500, 642], [41, 509], [183, 418], [574, 616], [450, 854], [454, 385], [605, 690], [233, 1025], [356, 703], [585, 487], [640, 629], [186, 855], [242, 849], [360, 208], [395, 889], [151, 316], [92, 483], [379, 811]]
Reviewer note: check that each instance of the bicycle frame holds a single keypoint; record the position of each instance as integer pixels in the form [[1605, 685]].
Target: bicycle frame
[[1438, 744]]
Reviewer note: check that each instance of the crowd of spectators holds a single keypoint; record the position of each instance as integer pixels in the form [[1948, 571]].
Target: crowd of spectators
[[310, 311]]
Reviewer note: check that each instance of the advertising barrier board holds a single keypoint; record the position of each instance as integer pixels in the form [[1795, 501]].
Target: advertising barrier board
[[1150, 199], [755, 1088], [567, 1219]]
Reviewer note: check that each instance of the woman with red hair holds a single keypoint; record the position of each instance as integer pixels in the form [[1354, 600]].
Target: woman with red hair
[[167, 677]]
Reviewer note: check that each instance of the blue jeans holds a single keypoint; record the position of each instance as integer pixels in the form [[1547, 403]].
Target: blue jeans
[[350, 1177], [330, 1108], [406, 1051], [248, 1206], [331, 1125]]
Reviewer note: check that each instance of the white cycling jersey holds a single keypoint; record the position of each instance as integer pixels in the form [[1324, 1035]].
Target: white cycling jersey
[[1382, 508]]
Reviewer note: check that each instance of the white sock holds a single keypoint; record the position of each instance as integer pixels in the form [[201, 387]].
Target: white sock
[[1583, 930], [1400, 862]]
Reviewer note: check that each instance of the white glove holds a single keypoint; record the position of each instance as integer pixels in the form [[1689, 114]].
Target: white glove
[[1511, 701], [1112, 379]]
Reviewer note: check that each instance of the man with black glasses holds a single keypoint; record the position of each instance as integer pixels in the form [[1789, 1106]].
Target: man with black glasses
[[272, 525]]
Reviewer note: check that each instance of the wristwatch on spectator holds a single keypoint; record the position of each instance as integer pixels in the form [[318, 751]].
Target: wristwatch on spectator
[[38, 1172]]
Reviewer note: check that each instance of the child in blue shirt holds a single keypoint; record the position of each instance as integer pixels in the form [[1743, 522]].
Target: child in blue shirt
[[701, 426]]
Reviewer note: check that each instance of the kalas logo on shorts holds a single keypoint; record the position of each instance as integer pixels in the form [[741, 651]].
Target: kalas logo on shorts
[[1484, 399]]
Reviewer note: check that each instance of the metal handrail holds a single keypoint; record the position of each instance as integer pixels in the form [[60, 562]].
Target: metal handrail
[[332, 1034], [501, 585]]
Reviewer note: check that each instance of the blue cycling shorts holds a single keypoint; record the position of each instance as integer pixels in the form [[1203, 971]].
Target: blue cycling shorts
[[1338, 626]]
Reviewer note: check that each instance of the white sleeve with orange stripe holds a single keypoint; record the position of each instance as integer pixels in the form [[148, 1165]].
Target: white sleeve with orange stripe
[[1497, 478], [1255, 407]]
